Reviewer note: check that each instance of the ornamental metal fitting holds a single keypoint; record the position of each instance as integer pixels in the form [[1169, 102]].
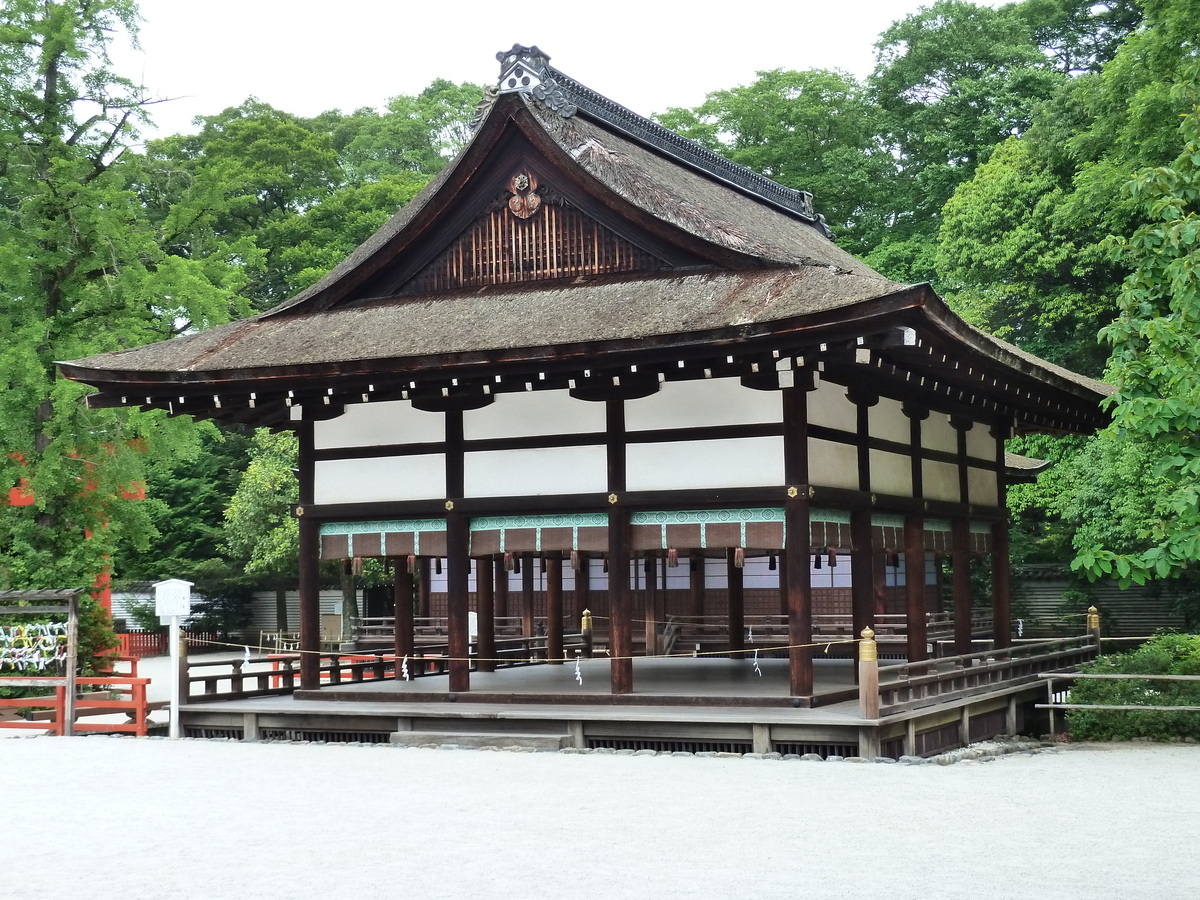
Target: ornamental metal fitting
[[449, 505], [867, 649], [612, 498], [793, 492]]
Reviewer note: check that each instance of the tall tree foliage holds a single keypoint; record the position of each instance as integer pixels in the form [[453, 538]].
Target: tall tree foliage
[[813, 130], [81, 272], [1156, 362]]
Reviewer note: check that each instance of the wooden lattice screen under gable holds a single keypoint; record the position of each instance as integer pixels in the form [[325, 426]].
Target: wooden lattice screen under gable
[[557, 241]]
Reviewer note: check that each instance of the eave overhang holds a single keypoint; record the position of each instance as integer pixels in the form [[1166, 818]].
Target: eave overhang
[[905, 344]]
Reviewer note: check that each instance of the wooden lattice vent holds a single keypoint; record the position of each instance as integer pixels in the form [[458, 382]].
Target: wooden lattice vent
[[529, 235]]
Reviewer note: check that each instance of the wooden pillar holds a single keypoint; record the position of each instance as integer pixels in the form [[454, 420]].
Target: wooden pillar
[[781, 566], [914, 588], [554, 609], [458, 572], [501, 599], [794, 572], [527, 625], [1001, 590], [862, 570], [310, 605], [961, 563], [310, 561], [1001, 596], [620, 633], [650, 603], [424, 576], [620, 639], [862, 565], [583, 585], [799, 595], [485, 609], [879, 579], [696, 586], [737, 605], [402, 595]]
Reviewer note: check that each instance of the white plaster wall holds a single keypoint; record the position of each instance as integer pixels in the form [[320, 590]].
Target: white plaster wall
[[891, 473], [682, 465], [832, 465], [696, 404], [980, 443], [939, 480], [828, 406], [886, 419], [981, 487], [375, 424], [937, 433], [383, 478], [532, 414], [529, 473]]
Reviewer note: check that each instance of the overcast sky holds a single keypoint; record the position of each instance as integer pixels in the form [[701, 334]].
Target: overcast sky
[[306, 56]]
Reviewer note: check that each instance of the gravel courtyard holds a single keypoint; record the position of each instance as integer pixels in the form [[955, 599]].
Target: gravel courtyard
[[137, 819]]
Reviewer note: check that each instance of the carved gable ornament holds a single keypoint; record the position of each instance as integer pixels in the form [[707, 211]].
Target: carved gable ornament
[[524, 202]]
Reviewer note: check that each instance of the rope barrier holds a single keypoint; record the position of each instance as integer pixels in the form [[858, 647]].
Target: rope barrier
[[503, 659]]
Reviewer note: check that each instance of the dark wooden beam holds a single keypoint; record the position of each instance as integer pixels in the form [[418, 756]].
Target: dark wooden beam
[[1001, 588], [501, 589], [650, 618], [914, 587], [862, 591], [737, 605], [485, 611], [310, 577], [961, 563], [620, 637], [402, 595], [458, 571], [554, 609], [527, 616], [425, 574], [794, 573], [696, 585]]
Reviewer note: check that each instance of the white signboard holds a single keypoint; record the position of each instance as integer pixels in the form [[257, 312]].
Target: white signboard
[[172, 597]]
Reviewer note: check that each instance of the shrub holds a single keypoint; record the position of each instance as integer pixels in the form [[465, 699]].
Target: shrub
[[1166, 654]]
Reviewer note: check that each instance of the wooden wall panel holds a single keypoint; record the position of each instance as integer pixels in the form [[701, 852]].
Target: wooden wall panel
[[555, 242]]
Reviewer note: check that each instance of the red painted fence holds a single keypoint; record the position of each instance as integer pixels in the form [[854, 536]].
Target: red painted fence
[[154, 643]]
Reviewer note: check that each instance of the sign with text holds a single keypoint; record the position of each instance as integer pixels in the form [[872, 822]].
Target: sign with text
[[172, 597]]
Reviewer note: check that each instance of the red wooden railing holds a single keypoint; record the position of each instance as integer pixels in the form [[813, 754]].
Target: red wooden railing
[[155, 643], [121, 693]]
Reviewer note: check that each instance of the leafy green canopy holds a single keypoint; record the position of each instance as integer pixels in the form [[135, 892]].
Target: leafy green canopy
[[813, 130], [82, 271], [1156, 361]]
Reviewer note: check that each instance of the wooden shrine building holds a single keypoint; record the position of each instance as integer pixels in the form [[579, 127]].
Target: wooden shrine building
[[589, 338]]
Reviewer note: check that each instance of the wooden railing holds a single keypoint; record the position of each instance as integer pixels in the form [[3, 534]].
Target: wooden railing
[[116, 694], [1058, 699], [437, 627], [920, 684], [155, 643], [889, 629], [279, 673]]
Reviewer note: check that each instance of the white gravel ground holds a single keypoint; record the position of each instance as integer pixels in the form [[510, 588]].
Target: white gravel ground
[[134, 819]]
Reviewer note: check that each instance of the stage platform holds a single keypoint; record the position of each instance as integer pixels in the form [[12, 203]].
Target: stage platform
[[683, 704]]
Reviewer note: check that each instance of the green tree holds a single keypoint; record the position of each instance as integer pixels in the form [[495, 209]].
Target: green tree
[[1156, 363], [81, 272], [259, 526], [813, 130]]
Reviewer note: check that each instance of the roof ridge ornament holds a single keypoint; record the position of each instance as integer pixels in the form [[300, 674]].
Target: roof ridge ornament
[[526, 70]]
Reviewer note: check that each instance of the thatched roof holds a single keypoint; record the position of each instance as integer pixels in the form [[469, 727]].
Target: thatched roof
[[759, 262]]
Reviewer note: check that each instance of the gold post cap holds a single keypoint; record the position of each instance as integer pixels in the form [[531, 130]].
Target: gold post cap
[[867, 650]]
